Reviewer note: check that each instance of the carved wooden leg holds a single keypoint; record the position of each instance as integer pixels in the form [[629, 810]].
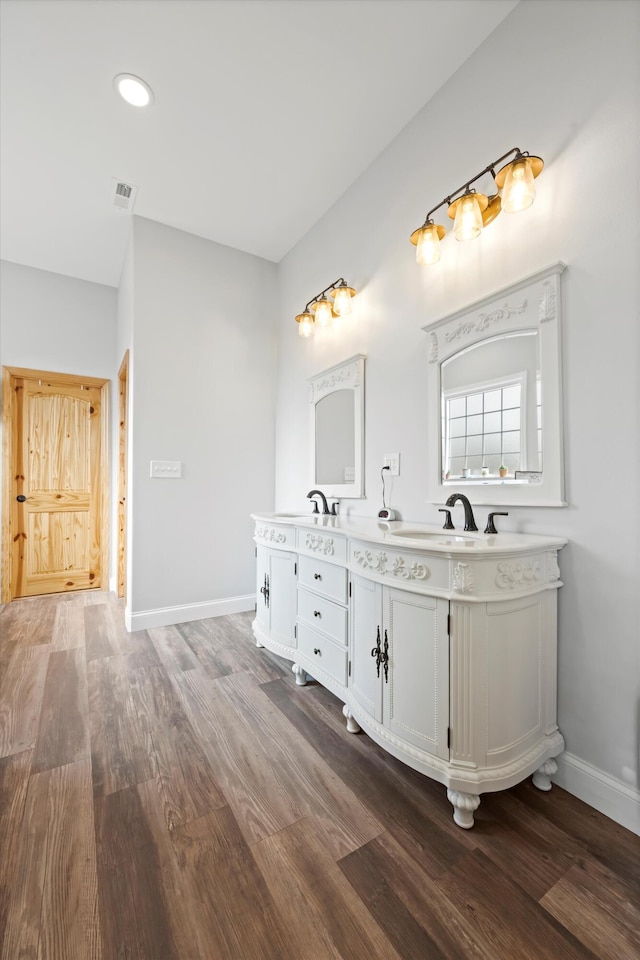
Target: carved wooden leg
[[464, 806], [352, 724], [300, 674], [542, 776]]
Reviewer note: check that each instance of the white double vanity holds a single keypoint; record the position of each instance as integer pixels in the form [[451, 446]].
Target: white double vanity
[[440, 643]]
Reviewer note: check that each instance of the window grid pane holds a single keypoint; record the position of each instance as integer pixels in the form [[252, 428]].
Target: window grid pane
[[486, 428]]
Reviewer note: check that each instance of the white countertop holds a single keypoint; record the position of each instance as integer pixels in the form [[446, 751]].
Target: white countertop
[[423, 536]]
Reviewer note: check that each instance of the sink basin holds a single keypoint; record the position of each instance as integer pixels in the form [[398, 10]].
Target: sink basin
[[323, 519], [443, 536]]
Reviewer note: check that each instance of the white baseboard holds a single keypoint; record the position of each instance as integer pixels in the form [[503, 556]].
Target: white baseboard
[[617, 800], [167, 616]]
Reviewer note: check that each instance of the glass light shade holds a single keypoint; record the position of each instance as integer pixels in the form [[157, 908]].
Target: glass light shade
[[519, 189], [428, 245], [342, 301], [468, 222], [323, 312], [305, 325]]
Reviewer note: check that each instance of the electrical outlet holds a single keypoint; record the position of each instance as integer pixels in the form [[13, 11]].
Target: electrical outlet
[[392, 460]]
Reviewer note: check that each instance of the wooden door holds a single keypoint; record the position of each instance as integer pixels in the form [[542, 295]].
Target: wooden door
[[55, 521]]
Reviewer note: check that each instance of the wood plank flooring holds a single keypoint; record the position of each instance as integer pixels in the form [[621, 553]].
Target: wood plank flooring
[[173, 795]]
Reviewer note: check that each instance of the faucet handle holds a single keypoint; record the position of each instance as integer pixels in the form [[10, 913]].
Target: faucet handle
[[491, 527], [448, 523], [315, 505], [334, 508]]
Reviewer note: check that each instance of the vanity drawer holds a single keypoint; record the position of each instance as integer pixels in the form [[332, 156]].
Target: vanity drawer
[[325, 578], [323, 614], [322, 542], [329, 657]]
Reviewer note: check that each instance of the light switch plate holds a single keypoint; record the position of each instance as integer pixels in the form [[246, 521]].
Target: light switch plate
[[166, 469]]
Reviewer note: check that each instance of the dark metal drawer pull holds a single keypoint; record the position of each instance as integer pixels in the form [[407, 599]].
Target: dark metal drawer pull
[[317, 613], [317, 651], [317, 576], [264, 590], [385, 658]]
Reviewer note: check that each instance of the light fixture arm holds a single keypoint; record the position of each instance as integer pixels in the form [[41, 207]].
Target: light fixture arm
[[340, 282], [465, 186]]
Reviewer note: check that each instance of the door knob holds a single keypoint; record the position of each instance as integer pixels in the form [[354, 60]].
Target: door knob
[[21, 498]]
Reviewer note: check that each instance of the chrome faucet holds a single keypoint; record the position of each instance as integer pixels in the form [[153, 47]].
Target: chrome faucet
[[469, 521], [319, 493]]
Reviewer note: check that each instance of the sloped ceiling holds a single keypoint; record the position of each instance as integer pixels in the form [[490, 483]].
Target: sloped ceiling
[[265, 112]]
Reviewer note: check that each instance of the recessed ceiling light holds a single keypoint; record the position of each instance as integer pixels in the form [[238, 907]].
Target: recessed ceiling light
[[134, 90]]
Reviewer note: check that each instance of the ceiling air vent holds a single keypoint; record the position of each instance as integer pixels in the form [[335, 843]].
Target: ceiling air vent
[[123, 195]]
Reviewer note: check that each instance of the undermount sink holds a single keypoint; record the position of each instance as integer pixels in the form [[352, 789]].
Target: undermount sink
[[443, 536], [320, 519]]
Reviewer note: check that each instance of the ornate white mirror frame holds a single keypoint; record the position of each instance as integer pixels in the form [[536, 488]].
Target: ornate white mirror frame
[[533, 305], [339, 432]]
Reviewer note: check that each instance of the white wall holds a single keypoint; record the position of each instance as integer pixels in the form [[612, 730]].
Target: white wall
[[558, 79], [202, 392], [56, 323]]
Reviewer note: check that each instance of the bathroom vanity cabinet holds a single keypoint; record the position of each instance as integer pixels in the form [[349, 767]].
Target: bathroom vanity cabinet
[[441, 645]]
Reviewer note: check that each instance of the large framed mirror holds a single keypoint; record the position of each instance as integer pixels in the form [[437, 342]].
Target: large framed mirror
[[495, 397], [337, 429]]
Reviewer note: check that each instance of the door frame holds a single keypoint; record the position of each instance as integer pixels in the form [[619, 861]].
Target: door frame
[[9, 375], [123, 420]]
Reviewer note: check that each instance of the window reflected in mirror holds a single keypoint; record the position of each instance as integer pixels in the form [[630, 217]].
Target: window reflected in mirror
[[491, 408]]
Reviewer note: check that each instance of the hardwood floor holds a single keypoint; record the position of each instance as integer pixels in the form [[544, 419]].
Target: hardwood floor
[[172, 795]]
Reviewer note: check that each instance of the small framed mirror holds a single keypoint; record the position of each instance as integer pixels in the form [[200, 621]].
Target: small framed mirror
[[337, 429], [495, 398]]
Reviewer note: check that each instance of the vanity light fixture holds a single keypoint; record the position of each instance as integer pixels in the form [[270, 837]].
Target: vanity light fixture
[[472, 211], [133, 89], [333, 301]]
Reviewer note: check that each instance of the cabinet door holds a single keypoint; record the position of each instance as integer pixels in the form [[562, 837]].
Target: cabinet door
[[262, 572], [366, 626], [282, 597], [416, 696]]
